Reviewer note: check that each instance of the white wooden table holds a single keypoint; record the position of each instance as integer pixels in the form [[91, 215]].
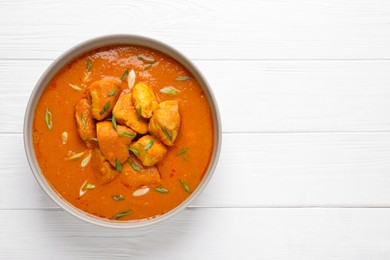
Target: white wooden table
[[303, 88]]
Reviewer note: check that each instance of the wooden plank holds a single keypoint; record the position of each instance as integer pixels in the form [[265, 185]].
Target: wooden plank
[[258, 96], [256, 170], [203, 29], [203, 234]]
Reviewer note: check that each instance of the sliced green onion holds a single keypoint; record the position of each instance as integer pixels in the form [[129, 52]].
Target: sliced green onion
[[134, 151], [134, 166], [83, 121], [75, 156], [48, 119], [118, 197], [182, 151], [86, 160], [185, 186], [149, 145], [124, 76], [89, 186], [89, 64], [118, 165], [126, 134], [122, 214], [161, 189], [75, 87], [146, 60], [169, 90], [167, 133], [105, 108], [183, 78], [113, 92], [113, 120]]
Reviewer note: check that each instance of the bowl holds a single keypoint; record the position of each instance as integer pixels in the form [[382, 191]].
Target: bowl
[[78, 50]]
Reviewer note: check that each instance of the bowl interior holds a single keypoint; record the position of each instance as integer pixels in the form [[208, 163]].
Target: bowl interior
[[80, 49]]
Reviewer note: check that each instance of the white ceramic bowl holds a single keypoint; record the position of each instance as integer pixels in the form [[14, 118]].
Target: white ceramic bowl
[[71, 54]]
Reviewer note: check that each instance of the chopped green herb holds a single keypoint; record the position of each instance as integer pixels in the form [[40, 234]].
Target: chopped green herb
[[149, 145], [118, 197], [105, 108], [89, 64], [139, 112], [183, 78], [75, 87], [169, 90], [134, 166], [161, 189], [185, 186], [92, 139], [126, 134], [167, 133], [75, 156], [113, 92], [124, 76], [118, 165], [149, 61], [49, 119], [122, 214], [86, 160], [89, 186], [148, 66], [83, 121], [182, 151], [113, 120], [134, 151]]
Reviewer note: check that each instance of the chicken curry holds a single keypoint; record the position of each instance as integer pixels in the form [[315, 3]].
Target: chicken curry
[[123, 132]]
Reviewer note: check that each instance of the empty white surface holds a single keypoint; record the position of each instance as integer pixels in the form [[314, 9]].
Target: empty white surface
[[303, 88]]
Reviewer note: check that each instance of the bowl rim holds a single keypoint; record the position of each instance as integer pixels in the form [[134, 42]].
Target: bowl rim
[[78, 50]]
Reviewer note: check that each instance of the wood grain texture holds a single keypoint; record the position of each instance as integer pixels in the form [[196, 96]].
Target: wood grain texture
[[272, 96], [293, 234], [256, 170], [203, 29]]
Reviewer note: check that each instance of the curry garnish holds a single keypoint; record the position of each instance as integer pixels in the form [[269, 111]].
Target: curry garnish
[[139, 112], [124, 76], [48, 119], [167, 133], [134, 166], [89, 64], [113, 120], [83, 121], [126, 134], [118, 165], [113, 92], [183, 78], [185, 186], [169, 90], [134, 151], [131, 79], [75, 156], [161, 189], [149, 61], [182, 151], [86, 160], [105, 108], [148, 66], [75, 87], [122, 214], [149, 145], [92, 139], [118, 197], [89, 186]]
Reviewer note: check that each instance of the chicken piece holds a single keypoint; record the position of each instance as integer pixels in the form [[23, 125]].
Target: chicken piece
[[104, 94], [134, 174], [114, 144], [165, 124], [144, 99], [126, 114], [102, 169], [84, 120], [149, 150]]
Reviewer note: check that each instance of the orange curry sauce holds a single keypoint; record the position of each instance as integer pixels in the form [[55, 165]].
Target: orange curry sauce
[[68, 178]]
